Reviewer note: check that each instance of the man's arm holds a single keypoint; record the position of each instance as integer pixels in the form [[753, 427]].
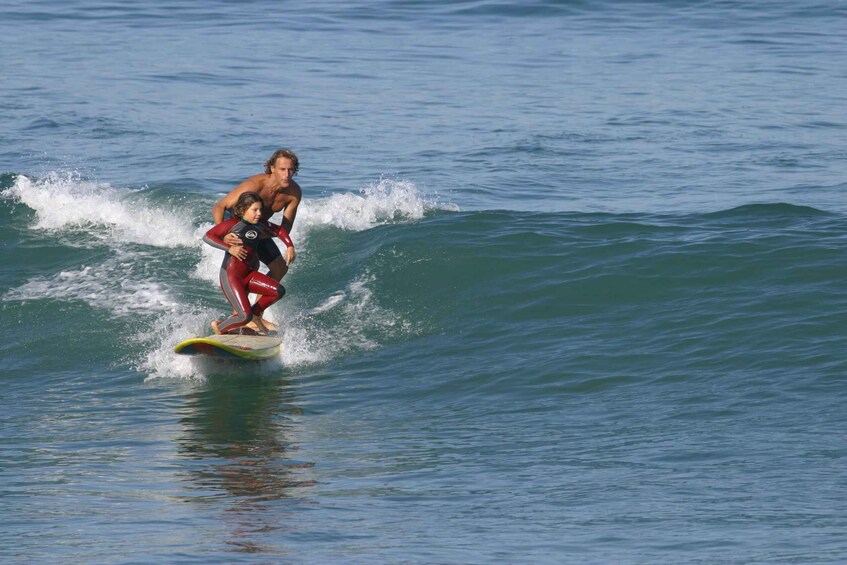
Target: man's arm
[[290, 212], [226, 203], [282, 234], [289, 255]]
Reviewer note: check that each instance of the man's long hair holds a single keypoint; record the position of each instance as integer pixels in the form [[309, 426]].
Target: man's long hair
[[288, 154]]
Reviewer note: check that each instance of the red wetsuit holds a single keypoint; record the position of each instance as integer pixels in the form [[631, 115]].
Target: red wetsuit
[[239, 278]]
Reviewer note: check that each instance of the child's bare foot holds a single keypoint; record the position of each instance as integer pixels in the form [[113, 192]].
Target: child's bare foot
[[215, 329]]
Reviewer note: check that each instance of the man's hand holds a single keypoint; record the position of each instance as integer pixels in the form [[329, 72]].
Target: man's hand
[[238, 252], [232, 239], [289, 255]]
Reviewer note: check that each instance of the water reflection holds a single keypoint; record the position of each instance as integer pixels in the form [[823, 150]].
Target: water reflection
[[239, 449]]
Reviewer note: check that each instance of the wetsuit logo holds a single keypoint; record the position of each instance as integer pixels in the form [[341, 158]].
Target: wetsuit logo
[[252, 234]]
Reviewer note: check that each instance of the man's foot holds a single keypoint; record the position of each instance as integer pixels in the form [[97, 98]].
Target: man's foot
[[262, 325], [215, 329]]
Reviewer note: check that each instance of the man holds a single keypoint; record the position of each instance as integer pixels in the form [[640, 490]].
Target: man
[[279, 193]]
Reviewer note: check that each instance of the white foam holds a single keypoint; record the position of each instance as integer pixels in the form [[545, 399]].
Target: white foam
[[351, 322], [161, 361], [65, 201], [328, 304], [106, 286], [348, 320], [384, 202], [209, 266]]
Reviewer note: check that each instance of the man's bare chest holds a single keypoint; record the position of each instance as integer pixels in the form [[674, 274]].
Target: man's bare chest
[[280, 201]]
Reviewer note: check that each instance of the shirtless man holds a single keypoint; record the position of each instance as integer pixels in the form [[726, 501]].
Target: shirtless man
[[279, 192]]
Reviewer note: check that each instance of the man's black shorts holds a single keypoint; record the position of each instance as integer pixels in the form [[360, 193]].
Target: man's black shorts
[[267, 251]]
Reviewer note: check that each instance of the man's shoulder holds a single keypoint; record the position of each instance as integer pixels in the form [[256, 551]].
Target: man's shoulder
[[256, 183]]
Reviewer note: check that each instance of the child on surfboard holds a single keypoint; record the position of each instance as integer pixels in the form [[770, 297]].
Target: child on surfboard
[[239, 275]]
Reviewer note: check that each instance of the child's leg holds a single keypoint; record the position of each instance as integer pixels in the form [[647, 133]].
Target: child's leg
[[238, 298], [269, 290]]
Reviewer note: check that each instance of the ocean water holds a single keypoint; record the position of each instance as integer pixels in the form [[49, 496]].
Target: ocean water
[[570, 284]]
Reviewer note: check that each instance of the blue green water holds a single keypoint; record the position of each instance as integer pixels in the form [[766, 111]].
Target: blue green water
[[570, 284]]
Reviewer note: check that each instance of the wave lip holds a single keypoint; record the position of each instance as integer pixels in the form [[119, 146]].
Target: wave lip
[[384, 202], [65, 201]]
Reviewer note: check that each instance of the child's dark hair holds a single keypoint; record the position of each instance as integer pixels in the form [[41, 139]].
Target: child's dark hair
[[246, 200]]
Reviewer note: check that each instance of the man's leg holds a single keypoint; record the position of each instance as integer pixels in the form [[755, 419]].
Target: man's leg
[[277, 269]]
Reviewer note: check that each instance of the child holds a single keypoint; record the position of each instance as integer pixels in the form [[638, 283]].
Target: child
[[239, 270]]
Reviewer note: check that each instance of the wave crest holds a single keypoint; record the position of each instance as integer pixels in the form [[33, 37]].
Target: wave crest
[[383, 202]]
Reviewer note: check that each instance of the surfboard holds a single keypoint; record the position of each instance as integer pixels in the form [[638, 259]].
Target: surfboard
[[229, 346]]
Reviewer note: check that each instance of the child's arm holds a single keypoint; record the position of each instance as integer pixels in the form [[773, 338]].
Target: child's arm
[[214, 236]]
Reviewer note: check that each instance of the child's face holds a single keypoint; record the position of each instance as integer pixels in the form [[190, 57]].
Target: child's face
[[254, 213]]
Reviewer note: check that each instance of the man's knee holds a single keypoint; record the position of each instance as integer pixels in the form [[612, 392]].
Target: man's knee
[[277, 269]]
